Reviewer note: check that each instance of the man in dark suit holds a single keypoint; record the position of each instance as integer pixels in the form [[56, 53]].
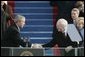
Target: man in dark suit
[[12, 34], [61, 36], [62, 39]]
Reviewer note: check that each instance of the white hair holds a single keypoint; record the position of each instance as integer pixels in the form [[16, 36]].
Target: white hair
[[63, 22], [19, 17]]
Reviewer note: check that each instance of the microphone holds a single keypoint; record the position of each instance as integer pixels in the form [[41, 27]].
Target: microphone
[[26, 40]]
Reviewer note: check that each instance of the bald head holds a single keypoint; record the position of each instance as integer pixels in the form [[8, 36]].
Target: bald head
[[61, 25], [20, 20]]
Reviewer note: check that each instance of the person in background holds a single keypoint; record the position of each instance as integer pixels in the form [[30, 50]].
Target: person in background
[[76, 20], [12, 34], [80, 27], [80, 6], [74, 15], [64, 9]]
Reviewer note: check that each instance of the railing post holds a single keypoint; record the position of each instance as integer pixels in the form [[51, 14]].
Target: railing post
[[76, 52]]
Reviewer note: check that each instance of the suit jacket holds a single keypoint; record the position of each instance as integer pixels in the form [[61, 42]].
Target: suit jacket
[[81, 32], [61, 40], [12, 38]]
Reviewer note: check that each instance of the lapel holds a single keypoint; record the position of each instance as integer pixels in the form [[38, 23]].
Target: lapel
[[17, 28]]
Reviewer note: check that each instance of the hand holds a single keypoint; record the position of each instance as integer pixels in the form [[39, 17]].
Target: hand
[[25, 39], [36, 46], [69, 48]]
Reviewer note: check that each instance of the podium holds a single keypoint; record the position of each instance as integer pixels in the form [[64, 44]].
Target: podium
[[21, 52], [11, 51], [5, 52]]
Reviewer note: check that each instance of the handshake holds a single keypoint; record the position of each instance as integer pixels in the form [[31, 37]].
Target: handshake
[[36, 45], [69, 48]]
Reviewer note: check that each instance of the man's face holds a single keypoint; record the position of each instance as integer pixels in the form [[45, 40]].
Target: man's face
[[74, 15], [60, 27], [21, 23]]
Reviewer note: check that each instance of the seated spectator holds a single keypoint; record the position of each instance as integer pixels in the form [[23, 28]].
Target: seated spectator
[[12, 34]]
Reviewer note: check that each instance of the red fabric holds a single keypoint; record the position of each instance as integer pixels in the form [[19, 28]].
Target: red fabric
[[56, 51], [11, 13], [10, 22], [55, 13], [12, 4]]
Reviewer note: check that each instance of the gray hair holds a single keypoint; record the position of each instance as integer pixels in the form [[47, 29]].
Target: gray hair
[[62, 21], [19, 17]]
